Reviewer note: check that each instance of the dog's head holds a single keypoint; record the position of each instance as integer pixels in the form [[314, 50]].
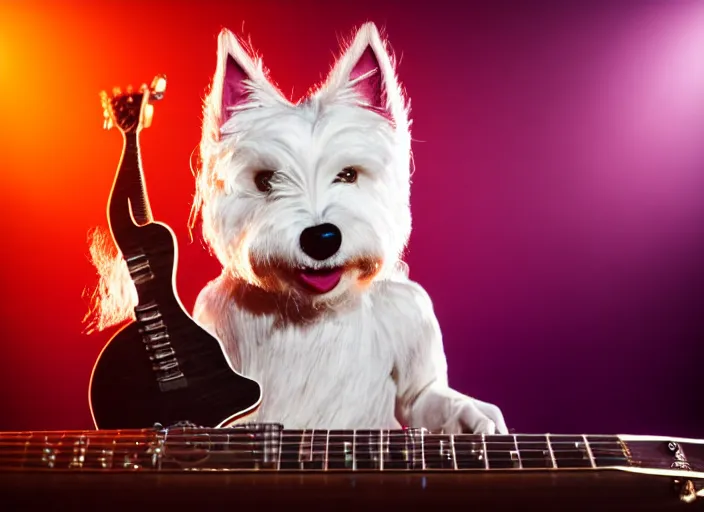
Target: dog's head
[[313, 196]]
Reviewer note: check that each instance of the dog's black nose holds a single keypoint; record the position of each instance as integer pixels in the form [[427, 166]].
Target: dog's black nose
[[322, 241]]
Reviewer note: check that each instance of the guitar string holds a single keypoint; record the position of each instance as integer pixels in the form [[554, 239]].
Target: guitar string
[[316, 454], [433, 455], [128, 444], [264, 429], [247, 438], [115, 460], [293, 439], [217, 438]]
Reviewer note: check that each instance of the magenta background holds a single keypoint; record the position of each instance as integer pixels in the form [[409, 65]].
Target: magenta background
[[558, 195]]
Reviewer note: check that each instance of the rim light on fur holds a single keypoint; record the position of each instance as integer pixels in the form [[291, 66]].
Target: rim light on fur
[[115, 296]]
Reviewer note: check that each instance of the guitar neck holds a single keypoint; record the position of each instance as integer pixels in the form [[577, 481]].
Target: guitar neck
[[269, 447], [128, 202]]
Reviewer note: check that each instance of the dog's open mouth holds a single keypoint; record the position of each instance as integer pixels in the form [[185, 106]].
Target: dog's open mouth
[[320, 280]]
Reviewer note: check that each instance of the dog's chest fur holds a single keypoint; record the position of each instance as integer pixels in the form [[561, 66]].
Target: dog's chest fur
[[337, 370]]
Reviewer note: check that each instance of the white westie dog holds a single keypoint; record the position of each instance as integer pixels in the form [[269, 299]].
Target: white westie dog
[[306, 205]]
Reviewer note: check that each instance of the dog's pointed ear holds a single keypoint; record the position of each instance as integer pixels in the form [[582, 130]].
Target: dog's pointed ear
[[367, 68], [240, 80], [233, 76]]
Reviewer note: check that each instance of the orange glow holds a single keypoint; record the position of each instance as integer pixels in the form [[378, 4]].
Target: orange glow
[[47, 81]]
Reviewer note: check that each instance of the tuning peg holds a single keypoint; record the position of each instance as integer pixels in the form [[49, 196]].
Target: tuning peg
[[129, 89], [148, 115], [116, 91], [158, 86], [105, 103], [104, 100]]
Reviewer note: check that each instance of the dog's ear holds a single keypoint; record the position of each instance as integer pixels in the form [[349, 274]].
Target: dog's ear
[[367, 68], [240, 80]]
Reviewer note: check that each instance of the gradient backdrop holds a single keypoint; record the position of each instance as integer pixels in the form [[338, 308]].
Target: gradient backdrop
[[558, 198]]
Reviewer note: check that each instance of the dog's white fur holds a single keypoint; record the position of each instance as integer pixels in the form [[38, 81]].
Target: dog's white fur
[[369, 353]]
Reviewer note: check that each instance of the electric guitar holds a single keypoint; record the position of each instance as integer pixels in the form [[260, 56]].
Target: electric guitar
[[163, 367]]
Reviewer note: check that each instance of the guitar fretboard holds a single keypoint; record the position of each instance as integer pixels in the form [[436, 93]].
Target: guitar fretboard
[[419, 450], [269, 447]]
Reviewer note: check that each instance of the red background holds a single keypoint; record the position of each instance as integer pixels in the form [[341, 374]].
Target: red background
[[559, 223]]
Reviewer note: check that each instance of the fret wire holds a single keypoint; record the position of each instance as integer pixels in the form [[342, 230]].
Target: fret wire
[[386, 448], [381, 450], [354, 450], [21, 451], [327, 447], [281, 449], [486, 453], [312, 445], [552, 453], [300, 447], [422, 448], [454, 454], [589, 451], [518, 452], [370, 446]]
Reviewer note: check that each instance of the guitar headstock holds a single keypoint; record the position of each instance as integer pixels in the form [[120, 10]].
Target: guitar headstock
[[130, 111]]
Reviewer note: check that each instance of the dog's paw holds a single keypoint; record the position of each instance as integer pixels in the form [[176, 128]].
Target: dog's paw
[[476, 417]]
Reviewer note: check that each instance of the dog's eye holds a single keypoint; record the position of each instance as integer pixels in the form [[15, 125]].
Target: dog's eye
[[347, 175], [263, 180]]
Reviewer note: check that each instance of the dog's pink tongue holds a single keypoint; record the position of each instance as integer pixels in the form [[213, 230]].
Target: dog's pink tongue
[[322, 283]]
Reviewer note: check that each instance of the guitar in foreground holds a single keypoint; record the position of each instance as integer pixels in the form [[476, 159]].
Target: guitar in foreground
[[265, 464], [163, 367]]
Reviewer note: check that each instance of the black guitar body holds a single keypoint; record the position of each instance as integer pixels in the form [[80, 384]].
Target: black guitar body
[[164, 367]]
